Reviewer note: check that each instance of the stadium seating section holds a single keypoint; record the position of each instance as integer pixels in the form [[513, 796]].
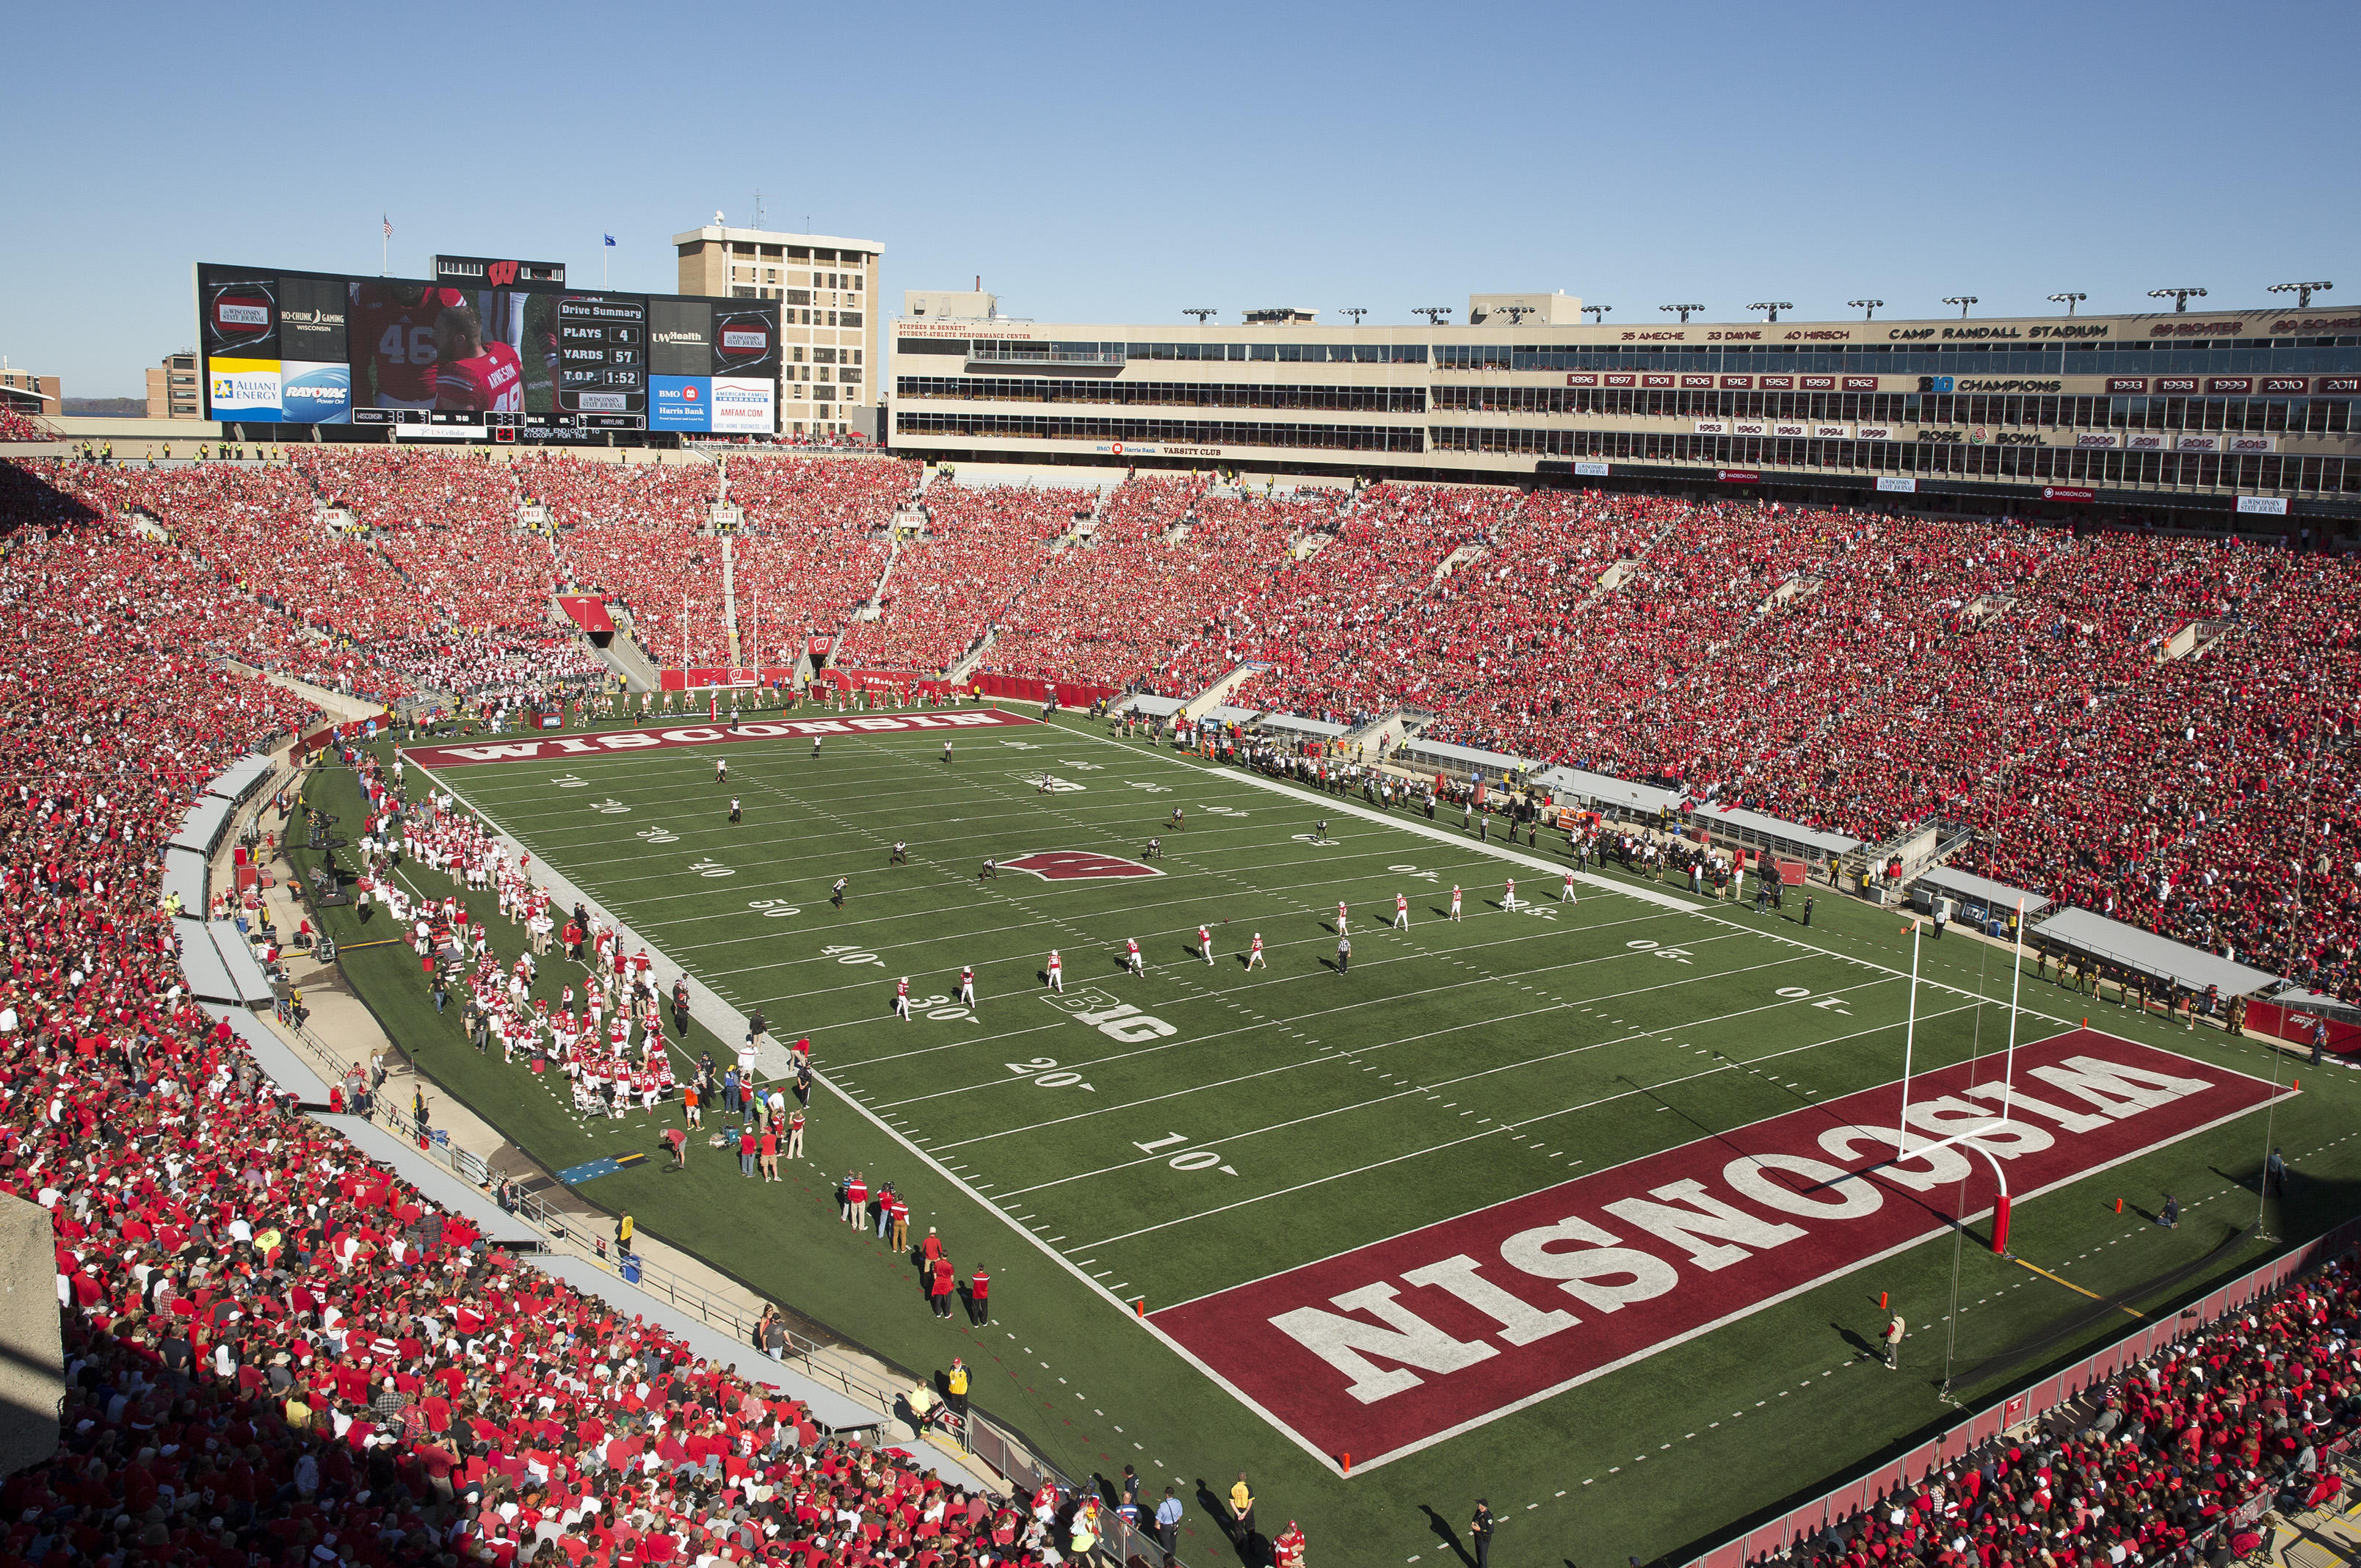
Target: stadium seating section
[[221, 1258]]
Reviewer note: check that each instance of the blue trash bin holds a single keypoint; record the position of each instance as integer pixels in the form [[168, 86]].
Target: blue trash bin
[[630, 1268]]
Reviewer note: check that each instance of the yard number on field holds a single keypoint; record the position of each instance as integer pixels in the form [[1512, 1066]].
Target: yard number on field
[[773, 908], [1043, 1071], [567, 781], [1191, 1159], [851, 956], [1678, 954], [1831, 1003]]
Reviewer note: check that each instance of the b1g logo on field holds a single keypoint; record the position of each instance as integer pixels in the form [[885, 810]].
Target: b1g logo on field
[[1076, 865]]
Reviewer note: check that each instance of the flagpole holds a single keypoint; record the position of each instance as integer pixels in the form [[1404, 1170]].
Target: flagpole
[[1909, 1037]]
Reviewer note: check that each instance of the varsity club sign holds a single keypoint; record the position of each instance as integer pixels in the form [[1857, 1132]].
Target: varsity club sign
[[1388, 1349], [556, 748]]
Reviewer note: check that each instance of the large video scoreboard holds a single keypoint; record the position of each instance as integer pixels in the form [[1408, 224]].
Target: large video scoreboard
[[530, 358]]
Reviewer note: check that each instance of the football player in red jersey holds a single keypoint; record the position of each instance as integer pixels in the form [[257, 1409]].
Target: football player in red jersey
[[392, 336], [470, 373]]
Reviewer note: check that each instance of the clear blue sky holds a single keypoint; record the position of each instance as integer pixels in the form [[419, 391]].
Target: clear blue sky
[[1120, 163]]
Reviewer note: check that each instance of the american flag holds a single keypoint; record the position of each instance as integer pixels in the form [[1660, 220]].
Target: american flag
[[389, 225]]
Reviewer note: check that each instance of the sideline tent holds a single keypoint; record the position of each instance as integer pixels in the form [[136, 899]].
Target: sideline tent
[[2100, 938], [587, 611]]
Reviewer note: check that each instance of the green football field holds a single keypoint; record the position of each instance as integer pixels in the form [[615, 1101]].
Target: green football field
[[1153, 1140]]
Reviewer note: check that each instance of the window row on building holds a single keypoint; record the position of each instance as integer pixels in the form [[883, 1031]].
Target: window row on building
[[1170, 394], [1187, 432], [1241, 353], [2326, 416], [2038, 464], [2259, 356]]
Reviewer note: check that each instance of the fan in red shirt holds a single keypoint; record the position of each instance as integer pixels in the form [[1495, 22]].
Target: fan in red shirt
[[471, 374]]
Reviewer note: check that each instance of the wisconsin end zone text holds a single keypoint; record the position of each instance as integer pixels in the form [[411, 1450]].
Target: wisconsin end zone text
[[1391, 1347], [558, 747]]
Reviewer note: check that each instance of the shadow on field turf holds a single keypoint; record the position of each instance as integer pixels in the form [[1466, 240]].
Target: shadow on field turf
[[1863, 1349], [1446, 1534]]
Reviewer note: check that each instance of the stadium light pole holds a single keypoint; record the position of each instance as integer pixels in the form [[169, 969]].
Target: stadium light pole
[[1599, 313], [2179, 297], [1773, 306], [1684, 311], [1962, 301], [2068, 300], [1201, 313], [1434, 313], [1355, 312], [1868, 308], [2302, 292]]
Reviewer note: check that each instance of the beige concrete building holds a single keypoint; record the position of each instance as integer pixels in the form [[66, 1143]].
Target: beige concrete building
[[2217, 413], [172, 387], [38, 397], [828, 341]]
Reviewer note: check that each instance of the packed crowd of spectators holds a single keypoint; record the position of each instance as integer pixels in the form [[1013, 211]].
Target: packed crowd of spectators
[[815, 545], [984, 546], [2184, 1451], [1857, 672], [1155, 593], [2157, 729], [275, 1352], [17, 427], [1330, 623]]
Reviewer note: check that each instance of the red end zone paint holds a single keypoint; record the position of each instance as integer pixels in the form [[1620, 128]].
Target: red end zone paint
[[1396, 1345], [556, 748]]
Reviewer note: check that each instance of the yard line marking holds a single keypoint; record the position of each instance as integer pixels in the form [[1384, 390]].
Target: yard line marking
[[1179, 1041], [1480, 1207]]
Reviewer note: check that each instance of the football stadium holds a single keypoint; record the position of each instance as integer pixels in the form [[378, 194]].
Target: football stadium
[[1521, 933]]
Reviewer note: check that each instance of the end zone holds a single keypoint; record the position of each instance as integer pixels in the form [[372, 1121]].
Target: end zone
[[554, 747], [1395, 1346]]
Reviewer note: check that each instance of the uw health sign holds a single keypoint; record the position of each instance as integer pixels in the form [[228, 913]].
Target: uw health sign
[[611, 743], [1400, 1345]]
